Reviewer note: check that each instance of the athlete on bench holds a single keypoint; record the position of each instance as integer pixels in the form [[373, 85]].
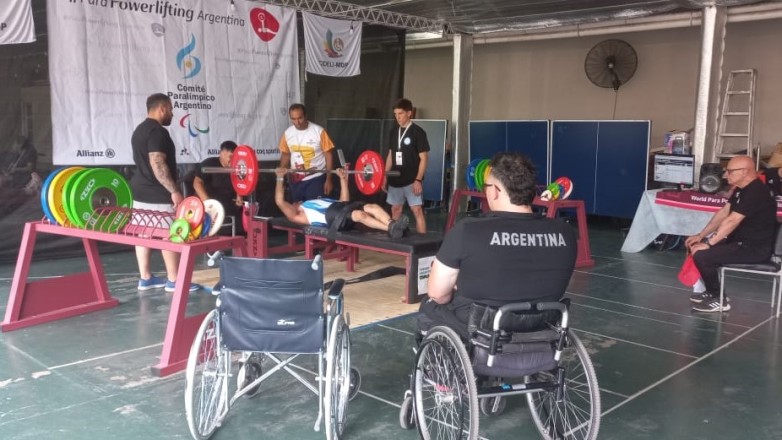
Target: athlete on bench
[[339, 215]]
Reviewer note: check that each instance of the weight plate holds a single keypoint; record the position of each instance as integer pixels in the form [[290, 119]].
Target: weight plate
[[192, 210], [179, 231], [553, 188], [245, 166], [215, 210], [370, 181], [195, 233], [567, 184], [66, 196], [91, 196], [471, 174], [207, 226], [486, 173], [45, 195], [54, 196], [479, 174]]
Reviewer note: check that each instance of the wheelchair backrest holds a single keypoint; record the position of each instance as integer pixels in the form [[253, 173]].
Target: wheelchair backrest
[[269, 305]]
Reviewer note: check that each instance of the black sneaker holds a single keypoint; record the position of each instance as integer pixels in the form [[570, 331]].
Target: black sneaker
[[699, 298], [712, 305], [396, 228]]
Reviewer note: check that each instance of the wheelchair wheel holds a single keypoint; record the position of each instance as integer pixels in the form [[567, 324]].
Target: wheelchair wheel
[[571, 411], [355, 383], [446, 400], [250, 370], [338, 375], [406, 413], [492, 406], [206, 389]]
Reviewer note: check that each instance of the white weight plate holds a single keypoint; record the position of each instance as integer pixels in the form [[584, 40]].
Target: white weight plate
[[216, 212]]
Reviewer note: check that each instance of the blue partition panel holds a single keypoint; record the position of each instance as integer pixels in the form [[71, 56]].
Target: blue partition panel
[[528, 137], [574, 155], [621, 170]]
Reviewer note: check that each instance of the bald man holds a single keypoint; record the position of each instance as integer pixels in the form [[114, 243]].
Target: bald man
[[741, 232]]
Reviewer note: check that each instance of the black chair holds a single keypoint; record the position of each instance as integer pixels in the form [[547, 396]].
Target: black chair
[[773, 267]]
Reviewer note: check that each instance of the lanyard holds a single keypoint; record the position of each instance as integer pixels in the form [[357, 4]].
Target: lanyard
[[402, 136]]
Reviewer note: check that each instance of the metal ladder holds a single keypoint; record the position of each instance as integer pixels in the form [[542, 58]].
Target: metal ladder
[[734, 136]]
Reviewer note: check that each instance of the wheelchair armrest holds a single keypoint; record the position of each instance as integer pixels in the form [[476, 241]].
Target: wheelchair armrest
[[335, 290]]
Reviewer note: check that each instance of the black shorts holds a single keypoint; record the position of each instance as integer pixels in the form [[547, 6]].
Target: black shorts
[[343, 209]]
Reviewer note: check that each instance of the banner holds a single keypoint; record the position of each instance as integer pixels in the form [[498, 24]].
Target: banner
[[16, 22], [230, 68], [333, 47]]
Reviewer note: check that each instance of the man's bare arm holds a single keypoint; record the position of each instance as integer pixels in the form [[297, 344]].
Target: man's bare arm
[[158, 163]]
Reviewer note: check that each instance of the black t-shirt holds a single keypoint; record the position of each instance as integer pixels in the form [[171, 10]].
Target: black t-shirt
[[218, 185], [508, 257], [773, 180], [759, 208], [413, 141], [151, 137]]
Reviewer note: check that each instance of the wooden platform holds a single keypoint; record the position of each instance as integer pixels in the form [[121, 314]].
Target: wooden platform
[[367, 301]]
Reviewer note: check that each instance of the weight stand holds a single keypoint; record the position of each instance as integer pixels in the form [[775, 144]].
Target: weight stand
[[584, 258], [36, 302]]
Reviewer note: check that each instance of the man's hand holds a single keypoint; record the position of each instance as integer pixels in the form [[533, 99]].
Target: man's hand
[[418, 188], [692, 240], [384, 185], [239, 200], [698, 247], [280, 172], [328, 186], [176, 198]]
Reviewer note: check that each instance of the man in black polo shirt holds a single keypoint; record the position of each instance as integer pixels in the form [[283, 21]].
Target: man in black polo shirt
[[742, 231], [218, 186], [510, 255]]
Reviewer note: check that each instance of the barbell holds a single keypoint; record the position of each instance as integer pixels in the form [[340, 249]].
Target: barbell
[[369, 173]]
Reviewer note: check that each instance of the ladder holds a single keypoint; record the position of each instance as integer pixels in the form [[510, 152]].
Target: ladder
[[734, 136]]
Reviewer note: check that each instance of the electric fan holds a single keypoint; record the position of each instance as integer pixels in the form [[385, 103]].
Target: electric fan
[[611, 63]]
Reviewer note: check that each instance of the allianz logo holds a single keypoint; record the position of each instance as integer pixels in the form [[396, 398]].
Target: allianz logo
[[212, 151], [285, 323]]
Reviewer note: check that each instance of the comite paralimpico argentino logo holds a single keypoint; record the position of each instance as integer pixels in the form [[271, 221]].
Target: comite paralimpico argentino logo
[[188, 64], [193, 130], [333, 46]]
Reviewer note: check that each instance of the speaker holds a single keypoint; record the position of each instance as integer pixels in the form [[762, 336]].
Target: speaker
[[711, 178]]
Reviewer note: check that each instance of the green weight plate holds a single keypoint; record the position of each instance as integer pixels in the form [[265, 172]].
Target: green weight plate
[[179, 231], [54, 195], [479, 173], [95, 190], [66, 192]]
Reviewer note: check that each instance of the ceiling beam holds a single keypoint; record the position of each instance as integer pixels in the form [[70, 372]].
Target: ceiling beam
[[349, 11]]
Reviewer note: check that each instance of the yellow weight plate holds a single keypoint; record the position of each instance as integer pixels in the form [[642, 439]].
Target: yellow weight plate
[[55, 198]]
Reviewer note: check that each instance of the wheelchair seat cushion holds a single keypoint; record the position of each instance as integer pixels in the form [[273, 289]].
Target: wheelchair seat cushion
[[516, 360], [273, 306]]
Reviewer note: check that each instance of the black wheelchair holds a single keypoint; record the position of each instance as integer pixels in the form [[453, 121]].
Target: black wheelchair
[[268, 313], [519, 348]]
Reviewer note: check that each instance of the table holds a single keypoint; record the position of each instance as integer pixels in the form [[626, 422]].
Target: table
[[672, 212]]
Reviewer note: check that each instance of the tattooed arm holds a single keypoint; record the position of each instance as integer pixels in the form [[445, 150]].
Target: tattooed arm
[[157, 162]]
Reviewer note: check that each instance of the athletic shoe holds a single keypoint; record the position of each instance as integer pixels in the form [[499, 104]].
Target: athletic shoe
[[712, 306], [396, 228], [152, 283], [171, 286], [702, 297]]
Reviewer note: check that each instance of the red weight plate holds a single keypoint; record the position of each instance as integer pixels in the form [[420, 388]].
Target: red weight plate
[[192, 210], [370, 171], [244, 177], [568, 186]]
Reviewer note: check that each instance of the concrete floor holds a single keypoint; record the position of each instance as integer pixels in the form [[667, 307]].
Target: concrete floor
[[664, 372]]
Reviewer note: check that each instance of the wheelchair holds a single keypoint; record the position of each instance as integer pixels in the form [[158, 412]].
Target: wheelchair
[[268, 313], [519, 348]]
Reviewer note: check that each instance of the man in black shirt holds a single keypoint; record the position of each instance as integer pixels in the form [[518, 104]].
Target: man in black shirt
[[218, 186], [742, 231], [154, 183], [408, 153], [510, 255]]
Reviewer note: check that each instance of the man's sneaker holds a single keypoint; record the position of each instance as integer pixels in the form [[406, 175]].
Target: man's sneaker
[[396, 228], [712, 305], [171, 286], [152, 283], [699, 298]]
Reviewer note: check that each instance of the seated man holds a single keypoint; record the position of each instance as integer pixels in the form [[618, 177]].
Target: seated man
[[339, 215], [218, 186], [509, 255], [742, 232]]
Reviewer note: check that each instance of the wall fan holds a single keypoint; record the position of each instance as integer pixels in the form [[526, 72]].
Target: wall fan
[[611, 63]]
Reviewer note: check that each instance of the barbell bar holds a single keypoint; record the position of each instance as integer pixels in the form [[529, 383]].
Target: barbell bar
[[369, 171]]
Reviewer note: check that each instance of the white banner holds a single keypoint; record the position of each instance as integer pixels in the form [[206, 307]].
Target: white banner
[[16, 22], [333, 47], [231, 73]]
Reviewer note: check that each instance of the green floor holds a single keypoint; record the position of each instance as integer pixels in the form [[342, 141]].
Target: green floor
[[665, 373]]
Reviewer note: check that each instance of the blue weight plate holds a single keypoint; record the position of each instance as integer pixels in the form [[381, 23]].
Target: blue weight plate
[[45, 196], [471, 174]]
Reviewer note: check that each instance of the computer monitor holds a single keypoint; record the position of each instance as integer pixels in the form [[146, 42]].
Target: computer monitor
[[674, 170]]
